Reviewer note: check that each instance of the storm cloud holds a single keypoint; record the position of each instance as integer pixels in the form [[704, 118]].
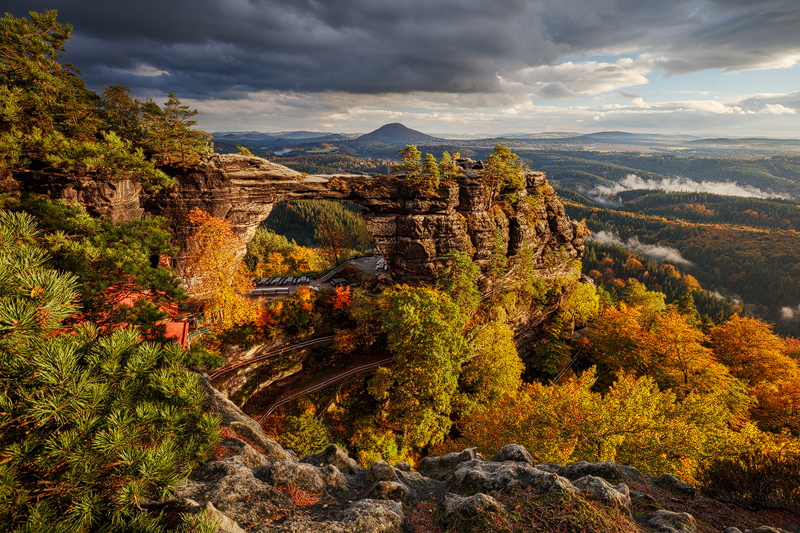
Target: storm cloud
[[231, 47]]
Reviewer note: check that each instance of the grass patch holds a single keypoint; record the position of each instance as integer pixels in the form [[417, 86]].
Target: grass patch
[[561, 513]]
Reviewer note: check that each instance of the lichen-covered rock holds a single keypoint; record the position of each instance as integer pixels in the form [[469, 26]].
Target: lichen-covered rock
[[484, 476], [663, 521], [673, 484], [328, 492], [245, 426], [476, 512], [308, 477], [617, 497], [642, 497], [364, 516], [381, 471], [224, 524], [390, 490], [333, 455], [764, 529], [513, 452], [442, 467], [606, 470], [549, 467]]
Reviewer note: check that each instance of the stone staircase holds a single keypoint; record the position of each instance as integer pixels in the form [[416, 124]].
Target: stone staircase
[[329, 275]]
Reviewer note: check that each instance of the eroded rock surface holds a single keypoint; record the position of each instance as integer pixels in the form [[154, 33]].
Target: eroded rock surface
[[261, 487]]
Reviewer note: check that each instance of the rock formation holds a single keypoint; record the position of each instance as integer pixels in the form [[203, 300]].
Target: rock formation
[[411, 226], [256, 485]]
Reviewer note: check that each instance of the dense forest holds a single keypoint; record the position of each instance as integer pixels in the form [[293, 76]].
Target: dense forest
[[750, 262]]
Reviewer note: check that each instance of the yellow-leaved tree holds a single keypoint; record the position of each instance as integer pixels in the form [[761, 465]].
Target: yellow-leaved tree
[[217, 272]]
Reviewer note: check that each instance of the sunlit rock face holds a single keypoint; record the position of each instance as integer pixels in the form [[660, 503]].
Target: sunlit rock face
[[411, 225]]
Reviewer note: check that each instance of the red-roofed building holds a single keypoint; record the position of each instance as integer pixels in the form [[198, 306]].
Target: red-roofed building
[[179, 332]]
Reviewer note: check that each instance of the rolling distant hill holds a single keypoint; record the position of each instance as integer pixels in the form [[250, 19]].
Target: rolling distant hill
[[396, 133], [635, 138]]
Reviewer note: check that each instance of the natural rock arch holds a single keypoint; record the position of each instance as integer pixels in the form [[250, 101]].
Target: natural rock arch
[[411, 226]]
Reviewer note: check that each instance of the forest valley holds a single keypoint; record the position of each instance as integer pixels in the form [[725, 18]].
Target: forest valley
[[100, 411]]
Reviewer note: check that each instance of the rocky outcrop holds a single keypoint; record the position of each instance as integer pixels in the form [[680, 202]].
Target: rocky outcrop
[[329, 492], [412, 226]]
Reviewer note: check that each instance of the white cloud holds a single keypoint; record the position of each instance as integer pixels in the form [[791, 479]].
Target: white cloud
[[777, 109], [731, 299], [494, 113], [713, 106], [573, 79], [633, 182], [660, 253], [790, 313], [141, 69]]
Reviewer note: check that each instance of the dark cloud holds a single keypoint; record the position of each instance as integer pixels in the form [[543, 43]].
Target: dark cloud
[[224, 48]]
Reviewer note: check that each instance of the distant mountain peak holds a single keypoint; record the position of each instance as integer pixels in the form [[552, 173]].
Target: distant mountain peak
[[397, 133]]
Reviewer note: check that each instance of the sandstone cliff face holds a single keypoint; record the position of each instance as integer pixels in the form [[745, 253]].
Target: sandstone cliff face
[[412, 226]]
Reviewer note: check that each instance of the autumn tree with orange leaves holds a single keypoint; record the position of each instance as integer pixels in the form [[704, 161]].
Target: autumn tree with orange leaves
[[217, 274], [342, 298], [757, 356]]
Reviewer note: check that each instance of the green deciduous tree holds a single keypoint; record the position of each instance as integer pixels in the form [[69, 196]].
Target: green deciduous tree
[[335, 238], [495, 369], [459, 279], [633, 423], [423, 329]]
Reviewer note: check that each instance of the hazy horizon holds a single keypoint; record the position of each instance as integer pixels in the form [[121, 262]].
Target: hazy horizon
[[479, 135]]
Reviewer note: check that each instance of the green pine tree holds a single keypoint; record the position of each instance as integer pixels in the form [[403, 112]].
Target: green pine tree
[[430, 170], [170, 137], [502, 170], [448, 168], [50, 121], [90, 426], [411, 165]]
